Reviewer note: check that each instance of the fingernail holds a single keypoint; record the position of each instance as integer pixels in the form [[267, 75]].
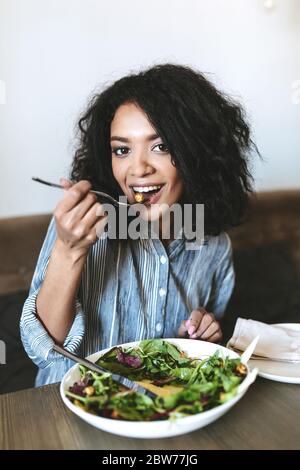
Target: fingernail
[[191, 330]]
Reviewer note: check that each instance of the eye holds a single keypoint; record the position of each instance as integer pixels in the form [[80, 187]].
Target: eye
[[162, 148], [120, 151]]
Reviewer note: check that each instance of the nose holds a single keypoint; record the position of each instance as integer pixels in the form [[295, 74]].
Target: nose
[[140, 165]]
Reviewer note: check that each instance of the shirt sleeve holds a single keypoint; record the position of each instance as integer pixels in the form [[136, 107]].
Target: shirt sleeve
[[223, 282], [36, 340]]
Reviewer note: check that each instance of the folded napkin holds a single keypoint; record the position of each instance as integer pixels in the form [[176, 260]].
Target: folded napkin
[[276, 342]]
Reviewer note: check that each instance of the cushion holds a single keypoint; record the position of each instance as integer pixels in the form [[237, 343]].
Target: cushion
[[19, 371]]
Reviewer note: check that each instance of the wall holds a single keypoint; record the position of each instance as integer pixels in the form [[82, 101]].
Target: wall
[[54, 53]]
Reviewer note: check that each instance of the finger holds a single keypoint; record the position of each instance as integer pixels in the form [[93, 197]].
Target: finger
[[97, 230], [93, 215], [80, 211], [216, 338], [182, 332], [210, 331], [74, 195], [91, 235], [100, 226], [194, 320], [207, 320], [65, 183]]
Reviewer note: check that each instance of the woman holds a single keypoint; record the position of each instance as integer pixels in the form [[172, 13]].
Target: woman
[[168, 134]]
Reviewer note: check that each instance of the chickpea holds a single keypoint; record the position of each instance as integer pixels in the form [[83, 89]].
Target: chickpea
[[89, 391], [241, 369], [139, 197]]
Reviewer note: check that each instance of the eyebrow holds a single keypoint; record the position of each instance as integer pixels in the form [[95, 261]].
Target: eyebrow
[[125, 139]]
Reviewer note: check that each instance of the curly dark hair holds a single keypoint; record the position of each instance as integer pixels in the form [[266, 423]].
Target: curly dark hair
[[205, 131]]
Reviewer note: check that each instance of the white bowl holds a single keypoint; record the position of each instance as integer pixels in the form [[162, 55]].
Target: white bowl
[[159, 429]]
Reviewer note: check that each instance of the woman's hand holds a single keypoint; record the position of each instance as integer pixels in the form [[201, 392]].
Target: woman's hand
[[79, 217], [201, 325]]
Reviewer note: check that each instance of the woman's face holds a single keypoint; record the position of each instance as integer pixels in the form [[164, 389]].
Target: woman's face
[[141, 162]]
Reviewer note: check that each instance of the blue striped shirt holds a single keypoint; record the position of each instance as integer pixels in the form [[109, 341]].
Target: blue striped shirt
[[129, 290]]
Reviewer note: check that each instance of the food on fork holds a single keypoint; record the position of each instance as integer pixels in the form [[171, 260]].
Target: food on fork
[[139, 197]]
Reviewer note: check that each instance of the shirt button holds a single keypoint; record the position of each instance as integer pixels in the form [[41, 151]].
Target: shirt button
[[158, 327], [162, 292], [163, 259]]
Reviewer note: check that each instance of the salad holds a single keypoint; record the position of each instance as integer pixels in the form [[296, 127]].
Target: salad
[[191, 385]]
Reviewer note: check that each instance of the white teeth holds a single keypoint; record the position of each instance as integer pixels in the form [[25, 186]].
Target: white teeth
[[145, 189]]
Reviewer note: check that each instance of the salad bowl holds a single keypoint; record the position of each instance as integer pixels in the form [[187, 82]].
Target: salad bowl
[[160, 428]]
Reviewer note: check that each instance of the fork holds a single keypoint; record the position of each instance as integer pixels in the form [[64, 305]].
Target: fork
[[98, 193], [120, 379]]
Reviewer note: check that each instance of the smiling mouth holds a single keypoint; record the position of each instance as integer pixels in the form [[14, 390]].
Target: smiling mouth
[[147, 194]]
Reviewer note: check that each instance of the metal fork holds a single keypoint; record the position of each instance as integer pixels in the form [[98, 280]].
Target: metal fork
[[120, 379], [99, 193]]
